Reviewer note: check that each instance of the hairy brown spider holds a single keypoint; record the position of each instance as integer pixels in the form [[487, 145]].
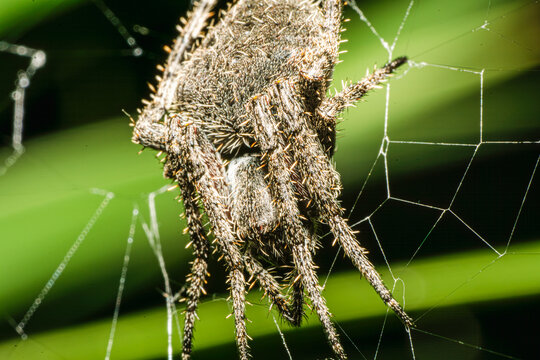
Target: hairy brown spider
[[248, 131]]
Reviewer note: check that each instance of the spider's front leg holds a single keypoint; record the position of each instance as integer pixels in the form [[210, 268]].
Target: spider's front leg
[[323, 185], [199, 266], [150, 134], [201, 250], [327, 112], [280, 167], [149, 130], [204, 170]]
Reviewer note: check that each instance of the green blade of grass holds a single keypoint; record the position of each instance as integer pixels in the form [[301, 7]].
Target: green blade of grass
[[451, 280]]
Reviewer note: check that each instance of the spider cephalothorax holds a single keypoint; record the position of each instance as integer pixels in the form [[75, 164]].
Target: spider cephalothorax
[[247, 127]]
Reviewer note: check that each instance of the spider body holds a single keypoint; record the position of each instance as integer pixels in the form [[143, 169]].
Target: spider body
[[248, 130], [249, 50]]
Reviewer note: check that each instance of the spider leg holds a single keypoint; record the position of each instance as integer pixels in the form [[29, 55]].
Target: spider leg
[[306, 269], [278, 160], [191, 31], [332, 10], [327, 112], [301, 247], [325, 190], [149, 131], [199, 267], [271, 287], [297, 304], [320, 63], [150, 134], [345, 236], [204, 169], [321, 181], [317, 63], [331, 107]]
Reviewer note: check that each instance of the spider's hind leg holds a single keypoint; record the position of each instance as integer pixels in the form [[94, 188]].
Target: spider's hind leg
[[282, 185], [204, 169], [319, 179]]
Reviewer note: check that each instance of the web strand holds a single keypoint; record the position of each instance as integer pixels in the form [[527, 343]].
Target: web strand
[[381, 333], [136, 50], [152, 235], [386, 143], [476, 347], [38, 59], [108, 196], [122, 282], [282, 338], [521, 205]]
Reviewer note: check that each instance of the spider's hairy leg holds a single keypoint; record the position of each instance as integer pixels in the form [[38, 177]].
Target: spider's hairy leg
[[332, 10], [199, 266], [307, 270], [317, 64], [204, 169], [345, 236], [279, 162], [297, 303], [331, 107], [300, 243], [197, 21], [149, 129], [255, 217], [189, 33], [150, 134], [271, 287], [322, 183]]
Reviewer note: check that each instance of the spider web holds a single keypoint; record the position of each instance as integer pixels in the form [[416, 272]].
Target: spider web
[[37, 61], [448, 212]]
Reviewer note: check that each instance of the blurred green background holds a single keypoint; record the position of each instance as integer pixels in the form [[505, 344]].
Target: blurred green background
[[454, 283]]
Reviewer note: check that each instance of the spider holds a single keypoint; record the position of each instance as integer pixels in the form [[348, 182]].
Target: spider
[[248, 131]]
